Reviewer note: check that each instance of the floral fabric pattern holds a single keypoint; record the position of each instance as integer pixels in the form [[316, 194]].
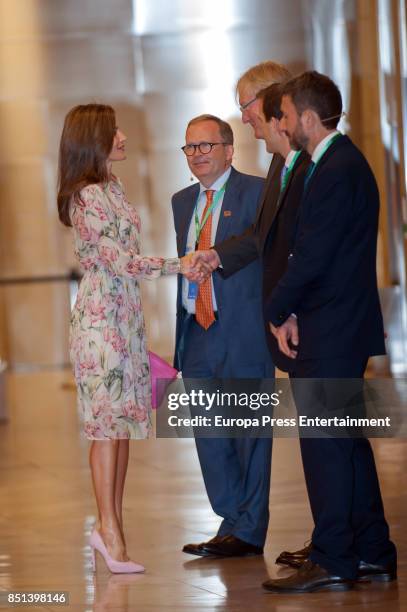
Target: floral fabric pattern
[[107, 335]]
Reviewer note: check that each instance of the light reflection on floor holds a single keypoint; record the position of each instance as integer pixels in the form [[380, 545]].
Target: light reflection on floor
[[47, 512]]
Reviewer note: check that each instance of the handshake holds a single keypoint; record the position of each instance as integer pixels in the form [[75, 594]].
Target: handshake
[[199, 265]]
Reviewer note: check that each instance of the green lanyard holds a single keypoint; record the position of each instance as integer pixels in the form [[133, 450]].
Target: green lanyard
[[289, 171], [326, 147], [200, 225]]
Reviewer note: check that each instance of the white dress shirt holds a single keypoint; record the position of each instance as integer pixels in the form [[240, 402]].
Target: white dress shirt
[[289, 158], [320, 148], [189, 303]]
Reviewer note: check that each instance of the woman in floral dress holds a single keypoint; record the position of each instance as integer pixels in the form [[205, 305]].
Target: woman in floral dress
[[107, 337]]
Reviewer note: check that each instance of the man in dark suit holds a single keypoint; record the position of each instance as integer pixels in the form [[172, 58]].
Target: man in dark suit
[[270, 237], [325, 314], [220, 333], [248, 246]]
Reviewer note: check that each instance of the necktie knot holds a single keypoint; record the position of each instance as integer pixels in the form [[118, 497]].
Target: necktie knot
[[209, 199], [209, 196]]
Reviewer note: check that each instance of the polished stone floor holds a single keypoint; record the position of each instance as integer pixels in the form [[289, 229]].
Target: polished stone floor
[[47, 509]]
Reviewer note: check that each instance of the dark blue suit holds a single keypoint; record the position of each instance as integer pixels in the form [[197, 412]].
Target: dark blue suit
[[330, 284], [330, 281], [236, 471]]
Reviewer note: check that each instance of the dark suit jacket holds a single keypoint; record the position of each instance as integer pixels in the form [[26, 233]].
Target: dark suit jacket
[[270, 237], [279, 243], [239, 299], [330, 281], [242, 249]]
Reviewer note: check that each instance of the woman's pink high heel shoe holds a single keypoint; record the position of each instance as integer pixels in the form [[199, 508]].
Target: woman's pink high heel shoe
[[116, 567]]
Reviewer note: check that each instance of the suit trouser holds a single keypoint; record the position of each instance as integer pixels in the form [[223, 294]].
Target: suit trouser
[[236, 471], [342, 482]]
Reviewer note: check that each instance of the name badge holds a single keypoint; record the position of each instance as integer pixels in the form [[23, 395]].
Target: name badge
[[192, 290]]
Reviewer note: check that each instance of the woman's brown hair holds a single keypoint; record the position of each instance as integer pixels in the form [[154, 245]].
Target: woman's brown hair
[[86, 142]]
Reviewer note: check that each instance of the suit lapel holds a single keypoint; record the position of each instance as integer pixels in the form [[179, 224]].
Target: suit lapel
[[328, 153], [283, 196], [187, 211], [272, 184], [229, 203], [269, 208]]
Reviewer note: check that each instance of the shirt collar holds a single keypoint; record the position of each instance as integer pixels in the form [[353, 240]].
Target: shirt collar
[[289, 158], [319, 149], [218, 184]]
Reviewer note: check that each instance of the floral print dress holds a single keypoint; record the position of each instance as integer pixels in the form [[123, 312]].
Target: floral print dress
[[107, 335]]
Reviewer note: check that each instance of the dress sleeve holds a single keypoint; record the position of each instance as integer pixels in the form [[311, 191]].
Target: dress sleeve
[[97, 240]]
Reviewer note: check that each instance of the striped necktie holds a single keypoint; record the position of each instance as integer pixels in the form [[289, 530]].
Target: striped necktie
[[204, 306]]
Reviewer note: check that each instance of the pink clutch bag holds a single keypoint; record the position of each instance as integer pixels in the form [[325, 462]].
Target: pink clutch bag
[[159, 369]]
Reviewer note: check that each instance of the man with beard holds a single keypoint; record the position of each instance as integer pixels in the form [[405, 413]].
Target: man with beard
[[330, 284]]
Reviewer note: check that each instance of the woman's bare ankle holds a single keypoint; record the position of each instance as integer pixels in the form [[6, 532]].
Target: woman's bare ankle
[[112, 537]]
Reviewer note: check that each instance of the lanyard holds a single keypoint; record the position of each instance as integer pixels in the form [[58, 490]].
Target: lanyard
[[200, 225], [289, 171], [326, 147]]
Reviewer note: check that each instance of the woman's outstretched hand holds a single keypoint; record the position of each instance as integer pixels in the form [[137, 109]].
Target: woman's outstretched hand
[[199, 265]]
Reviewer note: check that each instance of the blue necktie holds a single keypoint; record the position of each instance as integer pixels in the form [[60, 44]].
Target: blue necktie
[[284, 171], [308, 174]]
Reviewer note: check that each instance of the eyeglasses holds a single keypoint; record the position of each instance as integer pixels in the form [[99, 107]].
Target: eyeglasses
[[243, 107], [203, 147]]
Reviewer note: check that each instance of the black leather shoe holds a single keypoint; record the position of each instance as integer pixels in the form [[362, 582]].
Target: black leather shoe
[[310, 577], [198, 549], [368, 572], [230, 546], [294, 559]]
